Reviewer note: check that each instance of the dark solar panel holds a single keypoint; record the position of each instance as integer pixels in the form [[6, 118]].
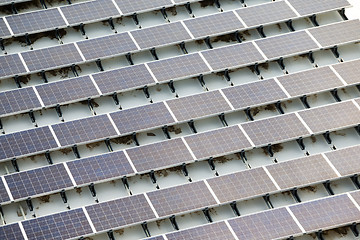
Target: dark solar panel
[[199, 105], [275, 129], [307, 7], [4, 31], [120, 212], [83, 130], [311, 81], [273, 224], [181, 198], [242, 185], [255, 93], [63, 225], [161, 35], [161, 154], [18, 100], [349, 71], [4, 197], [140, 118], [345, 160], [326, 213], [233, 56], [67, 90], [11, 65], [62, 55], [123, 79], [178, 67], [100, 167], [11, 232], [42, 20], [25, 142], [132, 6], [331, 117], [217, 142]]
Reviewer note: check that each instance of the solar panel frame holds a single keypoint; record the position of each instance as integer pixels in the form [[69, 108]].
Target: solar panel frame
[[345, 160], [349, 71], [11, 65], [6, 2], [155, 238], [308, 7], [4, 197], [4, 31], [128, 7], [11, 231]]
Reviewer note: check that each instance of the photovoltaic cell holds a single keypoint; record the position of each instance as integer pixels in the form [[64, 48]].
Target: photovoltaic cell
[[25, 142], [4, 31], [133, 6], [4, 197], [308, 7], [161, 35], [301, 172], [233, 56], [275, 129], [120, 212], [18, 100], [273, 224], [326, 213], [242, 185], [346, 160], [331, 117], [63, 225], [349, 71], [199, 105], [38, 181], [11, 231], [11, 65], [140, 118], [178, 67], [214, 231], [255, 93], [62, 55], [217, 142], [285, 45], [181, 198], [266, 13], [311, 81], [123, 79], [161, 154], [67, 90], [220, 23]]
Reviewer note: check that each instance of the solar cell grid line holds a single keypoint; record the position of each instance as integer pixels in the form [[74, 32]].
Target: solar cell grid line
[[345, 160], [254, 93], [307, 7], [160, 35], [271, 224], [120, 212], [64, 225], [11, 65], [183, 198], [144, 117], [11, 231], [157, 155], [331, 117], [4, 196], [349, 71], [128, 7], [217, 142], [326, 213], [4, 31], [84, 130], [242, 185]]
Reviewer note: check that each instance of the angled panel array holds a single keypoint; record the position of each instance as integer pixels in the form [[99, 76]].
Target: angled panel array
[[133, 6], [349, 71], [4, 197], [11, 65], [346, 160], [11, 231], [307, 7]]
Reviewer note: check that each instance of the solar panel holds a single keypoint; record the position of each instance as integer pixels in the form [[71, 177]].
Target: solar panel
[[38, 181], [308, 7], [89, 11], [63, 225], [107, 46], [345, 160], [275, 129], [348, 31], [273, 224], [11, 65], [161, 154], [11, 231], [131, 6], [217, 142], [83, 130], [62, 55], [155, 238], [266, 13], [311, 81], [120, 212], [4, 31], [43, 20], [214, 231], [25, 142], [198, 105], [301, 172], [215, 24], [326, 213], [178, 67], [349, 71], [356, 196], [242, 185], [18, 100], [140, 118], [233, 56], [331, 117], [161, 35], [251, 94], [67, 90], [4, 197], [181, 198]]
